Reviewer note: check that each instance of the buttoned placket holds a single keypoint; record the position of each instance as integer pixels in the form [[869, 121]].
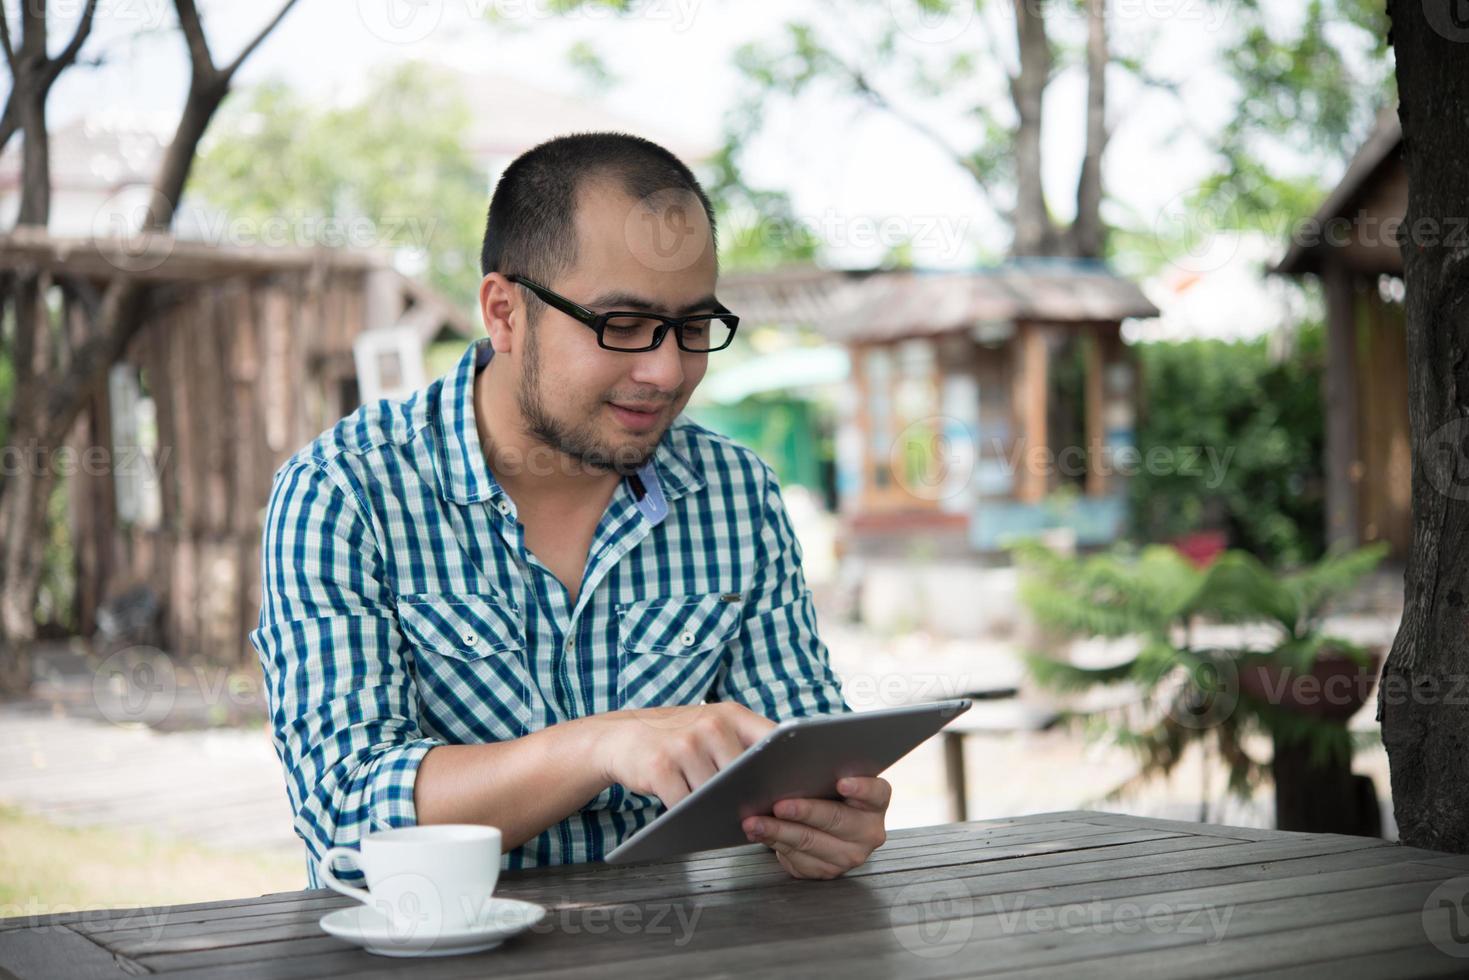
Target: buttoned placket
[[622, 527]]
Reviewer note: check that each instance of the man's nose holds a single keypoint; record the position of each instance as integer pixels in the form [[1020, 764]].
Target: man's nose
[[661, 367]]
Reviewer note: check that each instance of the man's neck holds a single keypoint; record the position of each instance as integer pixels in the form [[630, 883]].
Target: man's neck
[[527, 469]]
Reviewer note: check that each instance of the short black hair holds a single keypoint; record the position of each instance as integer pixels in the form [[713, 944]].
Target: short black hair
[[531, 226]]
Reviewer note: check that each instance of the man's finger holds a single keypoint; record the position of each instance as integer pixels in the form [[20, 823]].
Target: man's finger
[[803, 865], [872, 793], [833, 817], [806, 839]]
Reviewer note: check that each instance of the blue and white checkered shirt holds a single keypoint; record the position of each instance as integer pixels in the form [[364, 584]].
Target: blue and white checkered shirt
[[401, 610]]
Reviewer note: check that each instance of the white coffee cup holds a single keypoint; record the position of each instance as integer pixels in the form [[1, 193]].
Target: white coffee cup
[[423, 880]]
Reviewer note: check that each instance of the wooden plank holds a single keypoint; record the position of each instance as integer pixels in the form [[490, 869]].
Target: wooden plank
[[1179, 826], [1388, 964], [1381, 921], [693, 887], [726, 920], [60, 952], [988, 945]]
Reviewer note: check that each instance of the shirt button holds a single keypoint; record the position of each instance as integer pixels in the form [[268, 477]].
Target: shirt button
[[503, 507], [687, 639], [470, 639], [570, 645]]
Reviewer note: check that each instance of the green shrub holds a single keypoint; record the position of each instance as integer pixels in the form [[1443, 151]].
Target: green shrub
[[1263, 416]]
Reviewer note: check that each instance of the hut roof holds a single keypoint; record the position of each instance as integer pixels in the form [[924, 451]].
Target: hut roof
[[876, 306], [165, 260], [1381, 150]]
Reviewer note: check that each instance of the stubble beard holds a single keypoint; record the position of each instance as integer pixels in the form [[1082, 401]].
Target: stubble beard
[[579, 443]]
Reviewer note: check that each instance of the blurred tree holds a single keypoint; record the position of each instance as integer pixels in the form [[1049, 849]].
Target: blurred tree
[[1424, 724], [1257, 422], [1007, 77], [1304, 85], [1308, 87], [55, 369], [388, 171]]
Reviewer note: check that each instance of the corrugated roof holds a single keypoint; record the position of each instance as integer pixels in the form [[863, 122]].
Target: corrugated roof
[[891, 305]]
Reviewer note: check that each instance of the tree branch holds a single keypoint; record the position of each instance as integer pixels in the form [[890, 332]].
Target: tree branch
[[54, 66], [880, 101], [194, 36], [280, 14], [5, 38]]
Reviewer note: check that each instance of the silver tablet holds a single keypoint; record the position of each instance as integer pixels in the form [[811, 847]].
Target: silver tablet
[[801, 758]]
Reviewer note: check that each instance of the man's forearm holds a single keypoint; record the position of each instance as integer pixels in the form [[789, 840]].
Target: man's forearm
[[521, 786]]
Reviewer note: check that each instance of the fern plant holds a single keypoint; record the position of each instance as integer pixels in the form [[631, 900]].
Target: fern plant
[[1188, 690]]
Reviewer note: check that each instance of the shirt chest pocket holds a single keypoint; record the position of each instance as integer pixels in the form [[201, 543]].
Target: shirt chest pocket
[[470, 656], [669, 648]]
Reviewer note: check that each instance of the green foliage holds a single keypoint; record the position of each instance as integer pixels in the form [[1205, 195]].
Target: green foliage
[[1257, 423], [389, 171], [1310, 84], [1187, 691]]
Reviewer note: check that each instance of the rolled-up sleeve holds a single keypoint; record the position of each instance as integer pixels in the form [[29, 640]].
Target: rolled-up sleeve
[[778, 665], [343, 710]]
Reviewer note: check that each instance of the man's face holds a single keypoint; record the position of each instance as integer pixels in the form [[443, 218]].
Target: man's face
[[587, 402]]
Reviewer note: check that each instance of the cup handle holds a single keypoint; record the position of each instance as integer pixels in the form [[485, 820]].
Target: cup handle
[[333, 882]]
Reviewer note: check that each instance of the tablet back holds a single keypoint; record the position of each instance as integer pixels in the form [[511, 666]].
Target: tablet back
[[803, 757]]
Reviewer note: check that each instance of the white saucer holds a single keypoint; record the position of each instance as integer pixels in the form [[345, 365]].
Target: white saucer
[[370, 929]]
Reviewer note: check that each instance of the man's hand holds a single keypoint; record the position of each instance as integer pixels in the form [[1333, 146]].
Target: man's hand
[[670, 752], [827, 838]]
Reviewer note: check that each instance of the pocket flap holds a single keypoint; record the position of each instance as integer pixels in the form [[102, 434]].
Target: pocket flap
[[677, 625], [466, 627]]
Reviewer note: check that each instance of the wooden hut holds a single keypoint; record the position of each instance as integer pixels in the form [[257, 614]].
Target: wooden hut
[[975, 398], [246, 355], [1351, 246]]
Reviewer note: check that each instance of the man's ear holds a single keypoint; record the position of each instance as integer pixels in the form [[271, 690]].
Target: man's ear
[[496, 304]]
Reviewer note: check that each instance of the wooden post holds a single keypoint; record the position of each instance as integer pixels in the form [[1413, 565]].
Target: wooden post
[[1097, 348], [1029, 402], [1342, 466]]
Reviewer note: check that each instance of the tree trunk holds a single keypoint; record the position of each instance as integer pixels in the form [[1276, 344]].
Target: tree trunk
[[1425, 726], [50, 398], [1034, 232], [1087, 235]]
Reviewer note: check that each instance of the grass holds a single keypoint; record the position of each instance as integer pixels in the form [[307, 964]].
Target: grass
[[46, 868]]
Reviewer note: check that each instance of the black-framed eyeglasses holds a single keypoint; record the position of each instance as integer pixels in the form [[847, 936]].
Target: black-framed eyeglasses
[[630, 331]]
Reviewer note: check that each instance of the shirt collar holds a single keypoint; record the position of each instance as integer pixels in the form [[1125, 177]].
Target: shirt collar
[[465, 479]]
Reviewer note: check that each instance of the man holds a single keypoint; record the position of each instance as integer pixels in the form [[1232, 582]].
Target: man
[[505, 600]]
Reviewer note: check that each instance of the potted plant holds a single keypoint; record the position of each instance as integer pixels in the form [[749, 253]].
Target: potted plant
[[1277, 672]]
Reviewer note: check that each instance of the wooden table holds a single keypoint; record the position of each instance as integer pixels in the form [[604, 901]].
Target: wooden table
[[1076, 893]]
